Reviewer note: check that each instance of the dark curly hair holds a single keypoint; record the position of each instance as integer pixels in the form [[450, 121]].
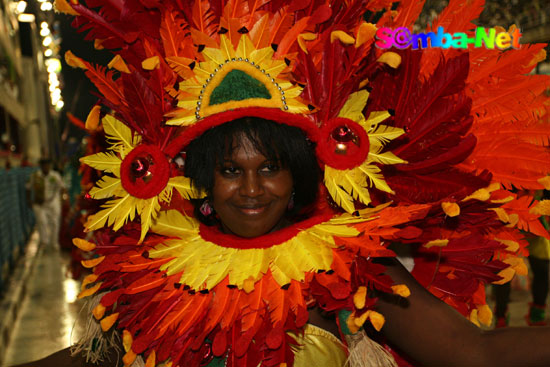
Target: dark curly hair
[[285, 144]]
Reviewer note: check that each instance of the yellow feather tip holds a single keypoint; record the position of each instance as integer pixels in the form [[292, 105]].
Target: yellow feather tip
[[129, 358], [99, 311], [401, 290], [484, 315], [151, 360], [89, 291], [61, 6], [365, 33], [118, 63], [248, 285], [127, 340], [108, 322], [436, 243], [88, 280], [83, 244], [506, 275], [151, 63], [474, 318], [92, 121], [450, 208], [376, 319], [391, 59], [342, 36], [74, 61], [92, 262], [360, 297], [542, 208]]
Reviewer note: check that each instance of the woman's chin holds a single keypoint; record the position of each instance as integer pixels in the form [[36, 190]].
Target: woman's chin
[[251, 230]]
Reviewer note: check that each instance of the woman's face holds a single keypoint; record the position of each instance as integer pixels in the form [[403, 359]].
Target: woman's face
[[251, 193]]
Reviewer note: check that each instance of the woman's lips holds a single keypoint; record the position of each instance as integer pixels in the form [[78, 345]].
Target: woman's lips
[[252, 209]]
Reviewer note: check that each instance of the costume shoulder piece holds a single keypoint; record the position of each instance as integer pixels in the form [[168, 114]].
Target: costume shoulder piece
[[421, 147]]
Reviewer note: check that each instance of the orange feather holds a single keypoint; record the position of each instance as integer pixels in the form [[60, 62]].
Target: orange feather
[[220, 300], [253, 307]]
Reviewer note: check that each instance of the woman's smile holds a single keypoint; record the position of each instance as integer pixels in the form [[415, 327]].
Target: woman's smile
[[251, 193]]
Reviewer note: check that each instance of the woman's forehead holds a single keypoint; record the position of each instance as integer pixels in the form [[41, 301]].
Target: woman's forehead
[[243, 144]]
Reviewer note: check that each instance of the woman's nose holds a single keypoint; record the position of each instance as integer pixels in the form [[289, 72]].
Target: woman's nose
[[251, 184]]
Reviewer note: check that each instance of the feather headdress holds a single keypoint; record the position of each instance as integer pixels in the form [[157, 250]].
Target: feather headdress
[[420, 147]]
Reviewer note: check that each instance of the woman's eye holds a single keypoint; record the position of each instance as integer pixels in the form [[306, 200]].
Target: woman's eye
[[271, 167], [230, 171]]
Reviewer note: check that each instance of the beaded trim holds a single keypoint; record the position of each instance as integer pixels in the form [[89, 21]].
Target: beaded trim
[[238, 59]]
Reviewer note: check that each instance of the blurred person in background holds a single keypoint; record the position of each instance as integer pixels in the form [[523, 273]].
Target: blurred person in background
[[45, 189]]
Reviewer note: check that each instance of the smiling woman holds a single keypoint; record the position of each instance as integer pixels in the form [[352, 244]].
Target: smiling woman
[[310, 154]]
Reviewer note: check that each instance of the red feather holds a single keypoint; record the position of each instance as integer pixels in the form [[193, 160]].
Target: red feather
[[103, 80], [204, 18], [173, 32]]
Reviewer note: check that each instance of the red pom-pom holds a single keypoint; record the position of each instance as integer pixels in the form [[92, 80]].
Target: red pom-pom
[[343, 144], [145, 171]]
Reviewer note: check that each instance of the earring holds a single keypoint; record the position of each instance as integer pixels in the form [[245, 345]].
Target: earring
[[206, 209], [290, 205]]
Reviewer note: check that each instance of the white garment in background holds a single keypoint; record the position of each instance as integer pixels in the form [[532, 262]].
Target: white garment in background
[[48, 214]]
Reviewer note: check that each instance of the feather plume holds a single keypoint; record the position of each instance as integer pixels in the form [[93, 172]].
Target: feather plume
[[107, 187], [146, 109], [279, 25], [148, 211], [117, 212], [203, 17], [103, 161], [173, 33], [103, 80], [340, 196]]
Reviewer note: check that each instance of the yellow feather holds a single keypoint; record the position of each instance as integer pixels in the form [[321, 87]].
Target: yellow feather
[[276, 68], [355, 187], [336, 230], [219, 271], [375, 177], [118, 134], [104, 161], [151, 63], [106, 187], [354, 106], [184, 187], [542, 208], [342, 198], [342, 37], [245, 47], [259, 56], [226, 47], [148, 213], [213, 54], [279, 275], [319, 250], [384, 158], [382, 134], [168, 249], [247, 264], [116, 211], [174, 224], [288, 265], [315, 256], [83, 244], [376, 117], [125, 212]]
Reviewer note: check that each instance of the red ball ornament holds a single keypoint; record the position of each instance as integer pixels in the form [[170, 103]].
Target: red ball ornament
[[145, 171], [139, 167], [343, 144], [342, 134]]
